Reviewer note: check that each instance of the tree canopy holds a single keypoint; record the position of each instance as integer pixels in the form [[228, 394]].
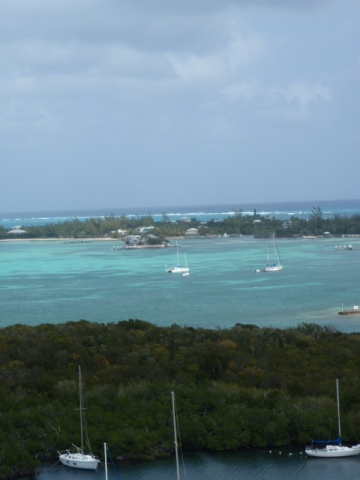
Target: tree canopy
[[235, 224], [236, 387]]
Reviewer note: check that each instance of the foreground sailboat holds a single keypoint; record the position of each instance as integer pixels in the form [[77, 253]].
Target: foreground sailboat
[[177, 268], [332, 448], [80, 460], [275, 264]]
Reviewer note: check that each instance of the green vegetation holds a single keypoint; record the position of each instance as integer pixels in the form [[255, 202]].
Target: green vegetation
[[243, 386], [236, 224]]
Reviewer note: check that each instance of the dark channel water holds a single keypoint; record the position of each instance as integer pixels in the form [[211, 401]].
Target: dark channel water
[[246, 464]]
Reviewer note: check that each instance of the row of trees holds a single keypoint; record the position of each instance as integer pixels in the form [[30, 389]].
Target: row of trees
[[236, 224], [235, 387]]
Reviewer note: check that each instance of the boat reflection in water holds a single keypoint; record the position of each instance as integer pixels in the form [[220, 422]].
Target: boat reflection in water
[[243, 464]]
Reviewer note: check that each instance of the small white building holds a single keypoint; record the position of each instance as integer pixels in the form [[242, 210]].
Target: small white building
[[16, 231], [152, 237], [143, 229], [192, 231], [133, 239]]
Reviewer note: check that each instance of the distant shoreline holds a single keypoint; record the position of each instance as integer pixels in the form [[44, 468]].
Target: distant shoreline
[[95, 239], [60, 240], [76, 240]]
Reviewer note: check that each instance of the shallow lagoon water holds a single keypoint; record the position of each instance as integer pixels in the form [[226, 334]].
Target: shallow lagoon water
[[54, 282]]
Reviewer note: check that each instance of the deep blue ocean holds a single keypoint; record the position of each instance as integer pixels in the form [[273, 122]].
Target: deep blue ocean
[[54, 282], [282, 211]]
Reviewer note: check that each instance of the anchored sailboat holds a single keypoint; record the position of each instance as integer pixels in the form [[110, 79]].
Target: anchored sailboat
[[79, 459], [273, 265], [177, 268], [332, 448]]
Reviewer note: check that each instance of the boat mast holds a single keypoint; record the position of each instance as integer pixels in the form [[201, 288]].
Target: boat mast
[[275, 251], [105, 461], [81, 416], [175, 436], [277, 256], [267, 254], [338, 406]]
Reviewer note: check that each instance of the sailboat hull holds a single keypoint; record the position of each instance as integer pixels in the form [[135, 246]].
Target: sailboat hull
[[79, 461], [177, 270], [333, 451], [273, 268]]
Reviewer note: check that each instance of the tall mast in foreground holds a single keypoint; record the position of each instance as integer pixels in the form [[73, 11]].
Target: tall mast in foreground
[[81, 414], [175, 437], [338, 406]]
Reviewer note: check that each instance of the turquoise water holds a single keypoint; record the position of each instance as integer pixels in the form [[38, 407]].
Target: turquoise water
[[54, 282]]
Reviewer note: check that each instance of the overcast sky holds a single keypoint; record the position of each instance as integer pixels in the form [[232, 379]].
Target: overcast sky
[[126, 103]]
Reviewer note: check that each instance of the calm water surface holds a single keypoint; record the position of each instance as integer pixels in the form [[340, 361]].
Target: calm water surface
[[243, 465], [54, 282]]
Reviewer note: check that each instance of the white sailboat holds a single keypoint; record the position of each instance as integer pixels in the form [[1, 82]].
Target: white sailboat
[[80, 460], [177, 268], [332, 448], [275, 264]]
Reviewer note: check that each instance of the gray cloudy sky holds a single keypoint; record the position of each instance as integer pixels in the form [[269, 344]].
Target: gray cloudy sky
[[121, 103]]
